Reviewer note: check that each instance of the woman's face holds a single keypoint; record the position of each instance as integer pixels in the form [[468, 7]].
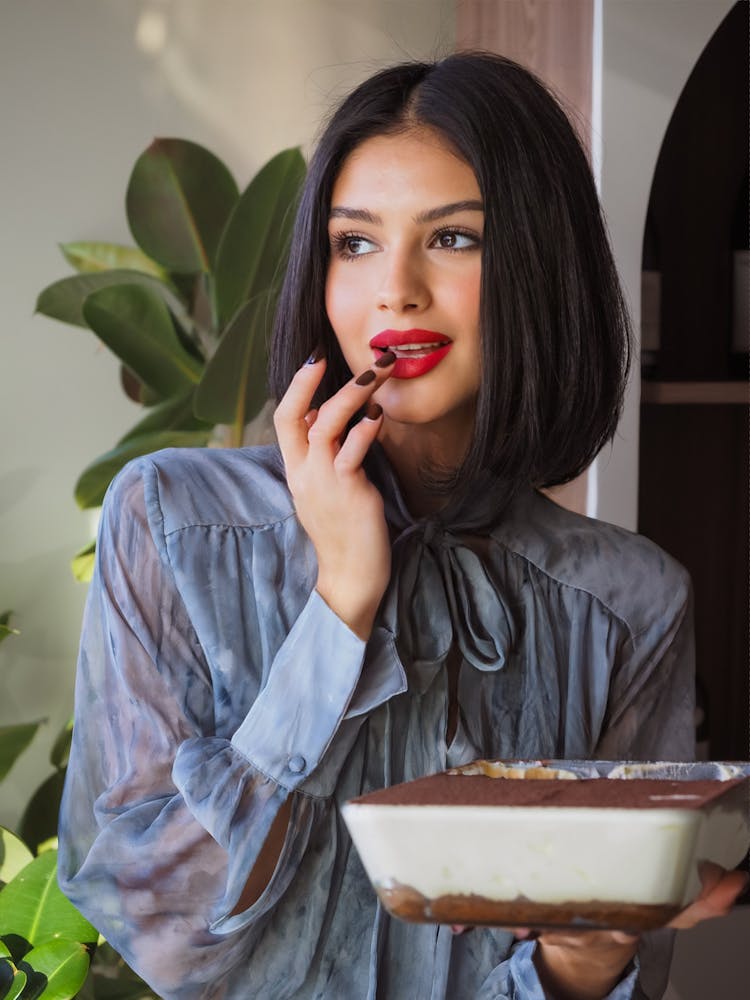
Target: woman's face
[[405, 229]]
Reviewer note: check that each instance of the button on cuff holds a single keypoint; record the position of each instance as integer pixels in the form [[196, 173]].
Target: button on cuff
[[296, 764]]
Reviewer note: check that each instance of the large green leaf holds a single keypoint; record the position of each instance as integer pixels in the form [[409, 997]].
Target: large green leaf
[[178, 200], [82, 563], [58, 755], [64, 299], [89, 258], [252, 252], [233, 387], [94, 480], [39, 820], [14, 855], [12, 981], [175, 414], [56, 970], [33, 908], [136, 325], [13, 742]]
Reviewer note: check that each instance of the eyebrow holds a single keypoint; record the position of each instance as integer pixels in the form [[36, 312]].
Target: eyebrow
[[430, 215]]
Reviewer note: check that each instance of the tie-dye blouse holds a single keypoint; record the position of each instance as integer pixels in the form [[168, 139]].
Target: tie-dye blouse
[[214, 683]]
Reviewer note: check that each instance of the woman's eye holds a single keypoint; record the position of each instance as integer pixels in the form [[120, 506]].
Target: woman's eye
[[453, 239], [349, 245]]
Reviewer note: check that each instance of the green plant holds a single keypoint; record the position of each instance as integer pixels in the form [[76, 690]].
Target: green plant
[[188, 310], [44, 941], [48, 950]]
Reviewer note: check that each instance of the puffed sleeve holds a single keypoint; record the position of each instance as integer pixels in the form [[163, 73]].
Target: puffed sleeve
[[161, 820]]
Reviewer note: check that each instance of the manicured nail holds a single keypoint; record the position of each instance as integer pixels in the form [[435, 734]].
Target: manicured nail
[[315, 356], [373, 411], [366, 377], [386, 360]]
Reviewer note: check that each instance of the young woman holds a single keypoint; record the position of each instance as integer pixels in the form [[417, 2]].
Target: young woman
[[273, 631]]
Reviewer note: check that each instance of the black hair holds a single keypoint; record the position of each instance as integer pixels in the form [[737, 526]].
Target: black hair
[[554, 326]]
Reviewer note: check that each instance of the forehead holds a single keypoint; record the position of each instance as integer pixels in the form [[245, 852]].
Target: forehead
[[417, 165]]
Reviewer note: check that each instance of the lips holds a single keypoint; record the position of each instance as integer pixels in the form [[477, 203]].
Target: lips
[[417, 351]]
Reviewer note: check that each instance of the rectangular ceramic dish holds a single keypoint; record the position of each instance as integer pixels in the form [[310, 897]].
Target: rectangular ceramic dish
[[605, 844]]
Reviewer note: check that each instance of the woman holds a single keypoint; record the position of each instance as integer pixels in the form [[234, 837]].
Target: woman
[[273, 631]]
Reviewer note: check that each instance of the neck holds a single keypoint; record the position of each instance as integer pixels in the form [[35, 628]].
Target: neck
[[411, 447]]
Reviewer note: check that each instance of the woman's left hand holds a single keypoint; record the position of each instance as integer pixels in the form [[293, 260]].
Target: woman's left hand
[[720, 891], [586, 965]]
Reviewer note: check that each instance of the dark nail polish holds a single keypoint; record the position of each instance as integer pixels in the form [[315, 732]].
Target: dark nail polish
[[366, 377], [373, 411], [315, 356], [386, 361]]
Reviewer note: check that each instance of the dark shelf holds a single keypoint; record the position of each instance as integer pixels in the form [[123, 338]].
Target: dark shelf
[[701, 393]]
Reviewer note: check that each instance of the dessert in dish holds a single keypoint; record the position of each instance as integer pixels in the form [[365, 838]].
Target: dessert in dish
[[555, 843]]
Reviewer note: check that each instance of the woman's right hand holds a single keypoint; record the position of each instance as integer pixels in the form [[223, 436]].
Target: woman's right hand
[[337, 505]]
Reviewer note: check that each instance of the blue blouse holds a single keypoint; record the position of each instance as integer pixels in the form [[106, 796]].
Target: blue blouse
[[214, 683]]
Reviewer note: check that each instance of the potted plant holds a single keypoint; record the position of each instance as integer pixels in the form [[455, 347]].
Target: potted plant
[[188, 309]]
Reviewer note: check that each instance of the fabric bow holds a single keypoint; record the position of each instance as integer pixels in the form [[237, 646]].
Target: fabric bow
[[441, 591]]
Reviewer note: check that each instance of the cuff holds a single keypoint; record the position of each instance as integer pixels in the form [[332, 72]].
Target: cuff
[[316, 681]]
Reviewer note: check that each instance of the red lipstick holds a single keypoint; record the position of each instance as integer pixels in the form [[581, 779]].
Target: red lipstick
[[417, 351]]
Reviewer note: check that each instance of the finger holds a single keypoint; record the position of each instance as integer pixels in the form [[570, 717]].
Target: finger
[[335, 413], [716, 900], [625, 937], [587, 935], [293, 407], [710, 875], [357, 443]]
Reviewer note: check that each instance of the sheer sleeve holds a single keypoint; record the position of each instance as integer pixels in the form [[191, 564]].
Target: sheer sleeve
[[161, 820]]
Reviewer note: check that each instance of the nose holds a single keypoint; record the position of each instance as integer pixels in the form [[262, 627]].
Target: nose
[[403, 286]]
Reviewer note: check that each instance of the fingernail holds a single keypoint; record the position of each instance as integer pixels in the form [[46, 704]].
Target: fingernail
[[373, 411], [315, 356], [386, 360], [366, 377]]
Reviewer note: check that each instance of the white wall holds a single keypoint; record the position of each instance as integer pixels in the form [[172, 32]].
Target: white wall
[[648, 49], [79, 100]]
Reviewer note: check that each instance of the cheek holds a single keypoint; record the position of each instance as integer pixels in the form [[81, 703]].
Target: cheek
[[343, 299], [470, 292], [344, 311]]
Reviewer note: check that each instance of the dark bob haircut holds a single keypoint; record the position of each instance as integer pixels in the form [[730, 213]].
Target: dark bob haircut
[[554, 326]]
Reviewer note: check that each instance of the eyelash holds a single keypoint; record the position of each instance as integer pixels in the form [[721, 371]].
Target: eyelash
[[340, 240]]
